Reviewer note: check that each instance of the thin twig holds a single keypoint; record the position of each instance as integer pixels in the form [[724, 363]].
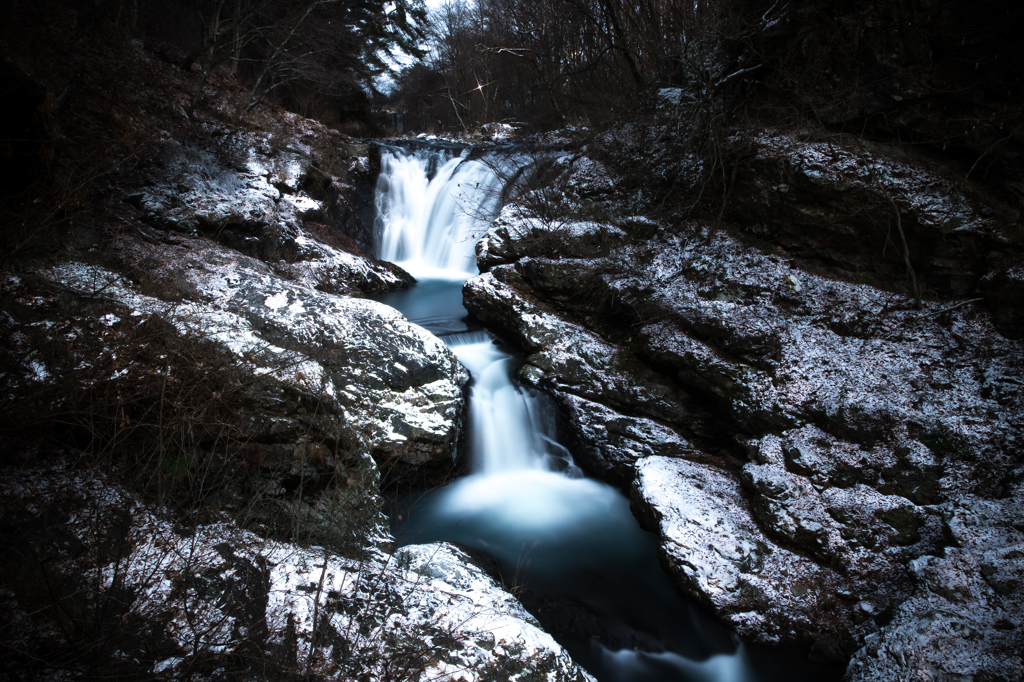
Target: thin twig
[[953, 307]]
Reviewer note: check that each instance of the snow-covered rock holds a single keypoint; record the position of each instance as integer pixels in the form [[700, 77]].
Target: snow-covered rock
[[718, 554], [1004, 293], [264, 195], [390, 380], [955, 626], [213, 596]]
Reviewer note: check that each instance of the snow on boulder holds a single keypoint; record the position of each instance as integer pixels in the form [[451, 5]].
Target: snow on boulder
[[716, 552], [391, 380], [189, 598]]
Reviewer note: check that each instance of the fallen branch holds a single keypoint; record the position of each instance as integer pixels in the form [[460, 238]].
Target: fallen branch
[[953, 307]]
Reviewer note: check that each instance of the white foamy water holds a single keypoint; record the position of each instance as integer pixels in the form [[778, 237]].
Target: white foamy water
[[640, 666], [432, 209], [524, 502], [508, 431]]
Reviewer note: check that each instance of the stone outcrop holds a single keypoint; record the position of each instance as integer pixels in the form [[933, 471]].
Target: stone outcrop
[[568, 357], [964, 614], [180, 600], [827, 429]]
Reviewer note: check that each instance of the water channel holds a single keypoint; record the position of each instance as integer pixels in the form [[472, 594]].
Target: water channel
[[567, 543]]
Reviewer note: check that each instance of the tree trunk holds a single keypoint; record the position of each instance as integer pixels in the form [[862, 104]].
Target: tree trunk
[[235, 37], [199, 90]]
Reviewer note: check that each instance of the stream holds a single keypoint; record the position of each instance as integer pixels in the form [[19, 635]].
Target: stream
[[567, 545]]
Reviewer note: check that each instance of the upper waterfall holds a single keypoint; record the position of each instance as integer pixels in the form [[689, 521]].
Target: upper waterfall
[[432, 207]]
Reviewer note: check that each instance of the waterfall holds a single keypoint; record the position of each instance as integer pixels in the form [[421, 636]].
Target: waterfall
[[507, 432], [432, 209], [564, 536]]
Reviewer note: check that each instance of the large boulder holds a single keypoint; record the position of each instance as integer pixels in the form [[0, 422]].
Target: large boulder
[[177, 599], [717, 553], [390, 381]]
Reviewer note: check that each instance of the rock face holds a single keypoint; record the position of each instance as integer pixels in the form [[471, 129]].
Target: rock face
[[610, 444], [804, 445], [214, 597], [835, 203], [391, 381]]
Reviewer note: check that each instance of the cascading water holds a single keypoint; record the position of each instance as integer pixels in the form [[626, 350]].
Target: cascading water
[[568, 540], [431, 211], [432, 207]]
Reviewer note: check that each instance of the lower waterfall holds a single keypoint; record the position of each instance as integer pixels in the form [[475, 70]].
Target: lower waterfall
[[567, 545]]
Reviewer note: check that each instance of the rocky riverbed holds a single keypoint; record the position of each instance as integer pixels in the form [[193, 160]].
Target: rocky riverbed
[[202, 408], [825, 461]]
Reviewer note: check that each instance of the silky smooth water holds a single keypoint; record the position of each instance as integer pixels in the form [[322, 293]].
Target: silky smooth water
[[432, 209], [569, 539]]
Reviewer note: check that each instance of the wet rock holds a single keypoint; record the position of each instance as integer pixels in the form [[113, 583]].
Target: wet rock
[[714, 549], [575, 360], [610, 444]]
